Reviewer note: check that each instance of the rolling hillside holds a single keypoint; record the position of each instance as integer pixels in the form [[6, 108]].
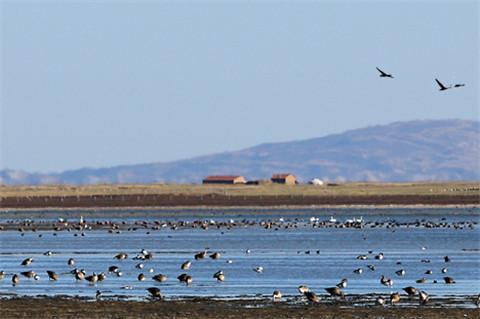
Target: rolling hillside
[[401, 151]]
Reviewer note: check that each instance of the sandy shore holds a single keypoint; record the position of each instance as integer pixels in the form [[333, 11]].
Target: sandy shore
[[201, 308]]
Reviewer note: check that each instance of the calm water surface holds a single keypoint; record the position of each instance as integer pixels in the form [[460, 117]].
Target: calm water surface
[[280, 252]]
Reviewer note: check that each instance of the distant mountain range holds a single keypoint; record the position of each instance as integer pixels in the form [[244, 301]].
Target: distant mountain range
[[402, 151]]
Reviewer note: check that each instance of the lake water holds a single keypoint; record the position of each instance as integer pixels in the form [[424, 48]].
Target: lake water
[[280, 251]]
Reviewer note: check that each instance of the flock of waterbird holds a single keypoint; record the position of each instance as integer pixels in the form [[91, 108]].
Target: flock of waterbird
[[144, 256], [440, 84]]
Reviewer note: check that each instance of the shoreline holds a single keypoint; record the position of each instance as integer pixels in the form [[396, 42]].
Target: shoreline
[[61, 307], [215, 211]]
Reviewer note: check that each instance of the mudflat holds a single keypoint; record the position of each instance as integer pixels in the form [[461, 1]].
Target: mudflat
[[174, 195], [201, 308]]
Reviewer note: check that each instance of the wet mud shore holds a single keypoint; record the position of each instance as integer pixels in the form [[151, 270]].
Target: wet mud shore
[[218, 200], [206, 308]]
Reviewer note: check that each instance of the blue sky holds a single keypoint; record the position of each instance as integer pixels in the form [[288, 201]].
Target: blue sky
[[104, 83]]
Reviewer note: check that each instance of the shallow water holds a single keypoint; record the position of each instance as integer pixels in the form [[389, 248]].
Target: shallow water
[[280, 252]]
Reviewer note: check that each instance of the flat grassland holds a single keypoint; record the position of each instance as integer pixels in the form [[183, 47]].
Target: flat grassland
[[343, 189], [158, 195]]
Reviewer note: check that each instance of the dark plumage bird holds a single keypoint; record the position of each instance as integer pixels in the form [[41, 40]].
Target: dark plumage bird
[[200, 255], [154, 292], [449, 280], [386, 281], [92, 278], [384, 75], [400, 272], [423, 297], [114, 269], [121, 256], [28, 274], [27, 261], [15, 279], [411, 291], [160, 278], [343, 283], [458, 85], [215, 255], [335, 292], [446, 259], [219, 275], [442, 87], [187, 279], [52, 275], [312, 297], [186, 265]]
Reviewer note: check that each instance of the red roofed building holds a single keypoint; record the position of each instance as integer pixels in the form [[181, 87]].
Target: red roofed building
[[288, 179], [224, 179]]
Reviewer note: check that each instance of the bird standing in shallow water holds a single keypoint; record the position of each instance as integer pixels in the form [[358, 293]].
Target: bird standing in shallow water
[[258, 269], [303, 289], [27, 261], [185, 278], [343, 283], [154, 292], [186, 265], [15, 279], [386, 281], [312, 297], [276, 296], [381, 301], [335, 292], [52, 275], [423, 297], [411, 291], [394, 298], [219, 275], [160, 278]]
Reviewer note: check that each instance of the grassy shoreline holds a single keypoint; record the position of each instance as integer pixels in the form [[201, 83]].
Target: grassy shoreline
[[342, 189]]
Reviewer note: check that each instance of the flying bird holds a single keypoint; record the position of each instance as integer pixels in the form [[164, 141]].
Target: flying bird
[[442, 87], [384, 75], [459, 85]]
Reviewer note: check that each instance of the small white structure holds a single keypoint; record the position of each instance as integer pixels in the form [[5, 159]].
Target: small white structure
[[316, 182]]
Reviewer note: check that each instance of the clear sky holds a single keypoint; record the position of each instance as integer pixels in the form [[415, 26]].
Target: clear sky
[[102, 83]]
